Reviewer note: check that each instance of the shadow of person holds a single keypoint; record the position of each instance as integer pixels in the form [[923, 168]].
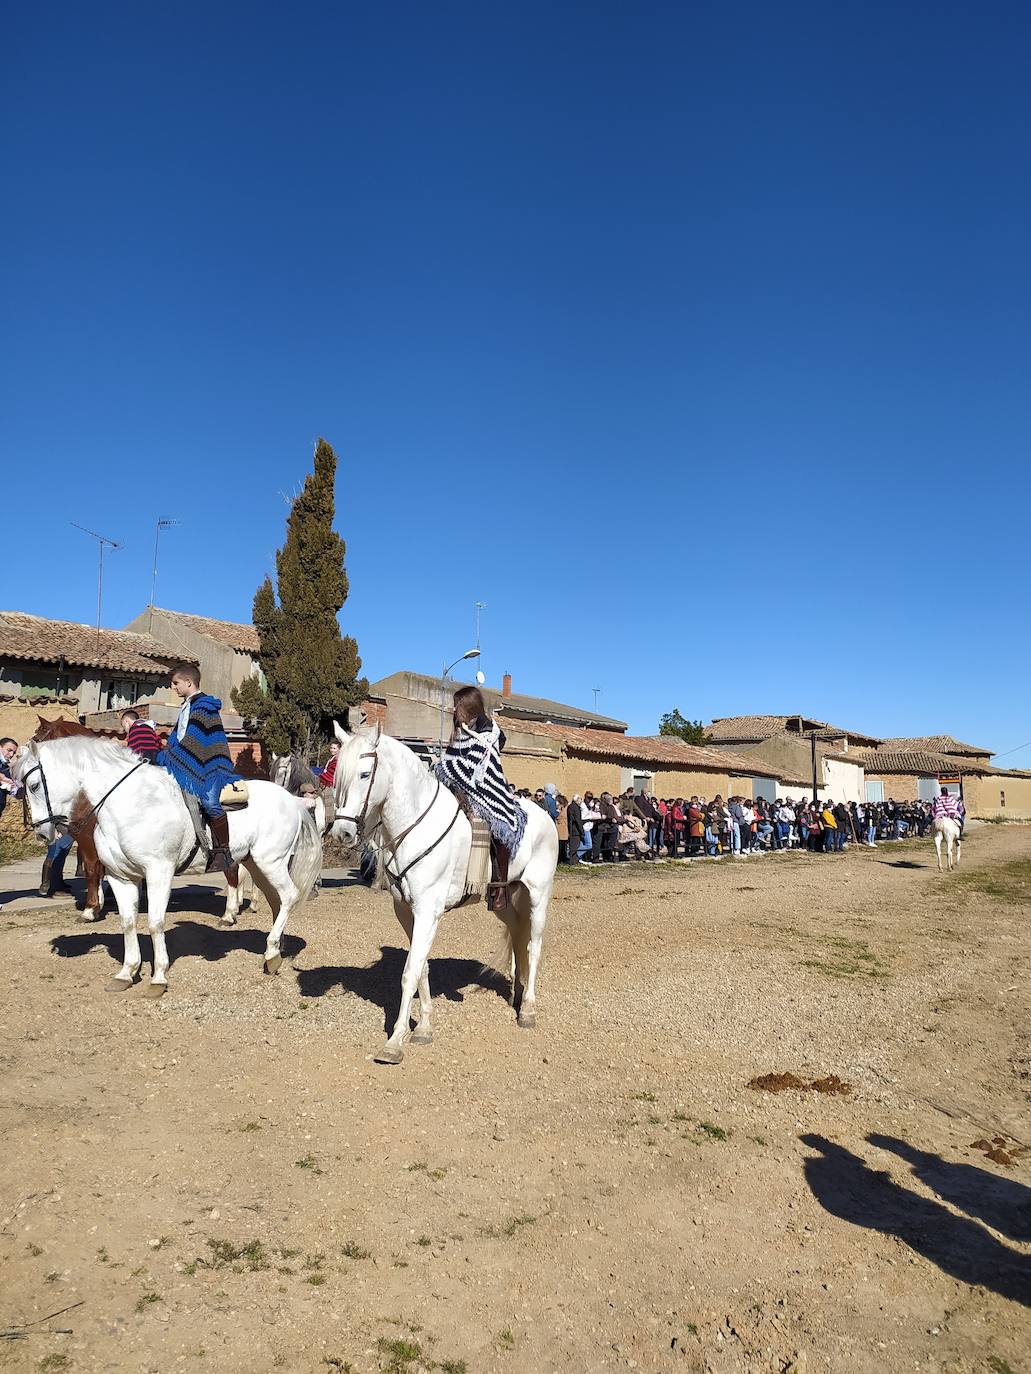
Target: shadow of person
[[1003, 1203], [186, 940], [848, 1188], [380, 983]]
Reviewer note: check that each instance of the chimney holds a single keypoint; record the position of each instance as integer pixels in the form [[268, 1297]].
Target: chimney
[[506, 685]]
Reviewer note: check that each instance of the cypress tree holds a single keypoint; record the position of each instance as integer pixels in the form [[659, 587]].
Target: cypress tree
[[311, 670]]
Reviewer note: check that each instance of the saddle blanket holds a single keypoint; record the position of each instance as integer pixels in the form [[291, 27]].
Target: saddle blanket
[[234, 796]]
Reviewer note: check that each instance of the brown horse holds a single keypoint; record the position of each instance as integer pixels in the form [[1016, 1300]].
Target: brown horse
[[81, 829], [82, 822]]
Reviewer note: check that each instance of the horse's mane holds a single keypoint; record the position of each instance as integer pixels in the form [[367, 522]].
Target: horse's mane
[[93, 748], [396, 751], [62, 729]]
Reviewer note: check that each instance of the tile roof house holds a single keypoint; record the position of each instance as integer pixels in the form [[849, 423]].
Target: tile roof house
[[226, 651], [41, 658], [753, 729], [410, 706], [936, 744]]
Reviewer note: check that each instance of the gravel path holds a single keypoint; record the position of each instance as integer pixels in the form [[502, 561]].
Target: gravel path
[[224, 1180]]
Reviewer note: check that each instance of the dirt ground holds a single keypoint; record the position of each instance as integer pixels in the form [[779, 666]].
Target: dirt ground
[[223, 1180]]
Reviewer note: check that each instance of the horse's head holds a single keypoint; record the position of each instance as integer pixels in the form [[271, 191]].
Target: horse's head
[[359, 785], [50, 788]]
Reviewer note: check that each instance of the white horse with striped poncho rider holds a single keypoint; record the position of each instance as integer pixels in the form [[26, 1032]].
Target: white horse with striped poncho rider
[[425, 838]]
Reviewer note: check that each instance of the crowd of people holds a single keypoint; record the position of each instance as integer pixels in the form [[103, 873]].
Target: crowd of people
[[613, 829]]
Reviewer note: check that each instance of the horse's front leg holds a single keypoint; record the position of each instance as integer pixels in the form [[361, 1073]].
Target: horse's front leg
[[232, 911], [425, 916], [159, 886], [423, 1033], [938, 849], [127, 895]]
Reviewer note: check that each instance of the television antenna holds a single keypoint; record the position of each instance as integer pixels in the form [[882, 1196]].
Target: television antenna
[[595, 690], [164, 523], [101, 540], [480, 606]]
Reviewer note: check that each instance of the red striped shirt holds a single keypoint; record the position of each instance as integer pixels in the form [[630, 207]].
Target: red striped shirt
[[142, 739]]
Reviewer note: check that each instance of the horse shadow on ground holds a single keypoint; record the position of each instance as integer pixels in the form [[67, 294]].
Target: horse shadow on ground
[[380, 983], [185, 939], [847, 1187], [351, 880], [901, 863]]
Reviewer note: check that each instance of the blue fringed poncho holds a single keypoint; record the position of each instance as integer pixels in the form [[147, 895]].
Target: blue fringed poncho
[[200, 761]]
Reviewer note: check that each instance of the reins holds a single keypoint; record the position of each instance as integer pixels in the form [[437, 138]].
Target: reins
[[359, 821], [56, 819]]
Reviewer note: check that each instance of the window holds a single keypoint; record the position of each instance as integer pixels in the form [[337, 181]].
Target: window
[[38, 683], [874, 790], [118, 693], [1002, 798]]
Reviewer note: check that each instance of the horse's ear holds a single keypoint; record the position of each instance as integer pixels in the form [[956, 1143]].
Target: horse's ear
[[341, 734]]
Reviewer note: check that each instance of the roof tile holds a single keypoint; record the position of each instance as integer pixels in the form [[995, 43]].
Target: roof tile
[[36, 638]]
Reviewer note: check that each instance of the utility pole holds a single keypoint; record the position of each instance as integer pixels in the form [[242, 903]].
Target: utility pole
[[101, 540], [164, 523], [812, 742]]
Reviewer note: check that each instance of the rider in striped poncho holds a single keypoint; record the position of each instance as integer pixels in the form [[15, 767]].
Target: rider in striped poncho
[[471, 767]]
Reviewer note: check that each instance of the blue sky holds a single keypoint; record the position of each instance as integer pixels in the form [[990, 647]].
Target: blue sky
[[691, 338]]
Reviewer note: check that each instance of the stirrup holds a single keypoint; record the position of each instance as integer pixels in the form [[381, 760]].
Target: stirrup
[[220, 860]]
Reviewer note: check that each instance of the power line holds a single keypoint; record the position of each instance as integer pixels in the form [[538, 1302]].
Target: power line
[[1012, 751]]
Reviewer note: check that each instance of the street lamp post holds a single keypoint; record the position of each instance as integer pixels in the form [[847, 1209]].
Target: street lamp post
[[469, 653]]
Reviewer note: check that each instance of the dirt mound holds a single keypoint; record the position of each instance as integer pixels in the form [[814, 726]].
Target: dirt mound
[[831, 1086], [1000, 1150]]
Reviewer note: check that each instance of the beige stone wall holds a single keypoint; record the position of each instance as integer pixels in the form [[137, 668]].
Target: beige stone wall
[[897, 786], [20, 721], [983, 797]]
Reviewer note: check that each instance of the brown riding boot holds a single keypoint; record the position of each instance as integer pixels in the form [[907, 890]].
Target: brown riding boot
[[221, 860], [500, 885]]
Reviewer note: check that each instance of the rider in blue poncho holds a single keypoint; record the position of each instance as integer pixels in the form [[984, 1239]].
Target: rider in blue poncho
[[197, 755]]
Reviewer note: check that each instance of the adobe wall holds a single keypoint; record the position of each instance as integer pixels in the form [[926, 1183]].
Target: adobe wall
[[984, 797]]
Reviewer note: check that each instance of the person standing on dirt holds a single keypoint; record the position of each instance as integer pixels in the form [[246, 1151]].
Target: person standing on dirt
[[830, 827], [8, 787]]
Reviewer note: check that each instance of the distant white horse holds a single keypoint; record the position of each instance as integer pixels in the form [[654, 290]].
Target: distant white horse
[[945, 828], [291, 772], [144, 832], [426, 838]]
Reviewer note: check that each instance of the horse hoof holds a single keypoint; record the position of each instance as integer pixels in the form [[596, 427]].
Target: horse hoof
[[227, 920], [88, 918], [388, 1055], [273, 965], [526, 1020], [118, 985], [421, 1037], [155, 990]]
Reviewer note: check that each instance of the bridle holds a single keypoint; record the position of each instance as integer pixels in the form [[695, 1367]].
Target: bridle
[[53, 818], [57, 819], [359, 820]]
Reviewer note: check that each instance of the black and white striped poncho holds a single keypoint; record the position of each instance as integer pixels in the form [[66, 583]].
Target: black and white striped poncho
[[472, 764]]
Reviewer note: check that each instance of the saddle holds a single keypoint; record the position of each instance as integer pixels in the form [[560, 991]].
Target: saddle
[[234, 797]]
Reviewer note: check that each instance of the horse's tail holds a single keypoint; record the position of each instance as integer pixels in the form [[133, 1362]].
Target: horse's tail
[[515, 925], [306, 860]]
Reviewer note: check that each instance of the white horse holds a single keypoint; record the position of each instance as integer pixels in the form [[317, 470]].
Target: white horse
[[426, 838], [144, 831], [945, 828]]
